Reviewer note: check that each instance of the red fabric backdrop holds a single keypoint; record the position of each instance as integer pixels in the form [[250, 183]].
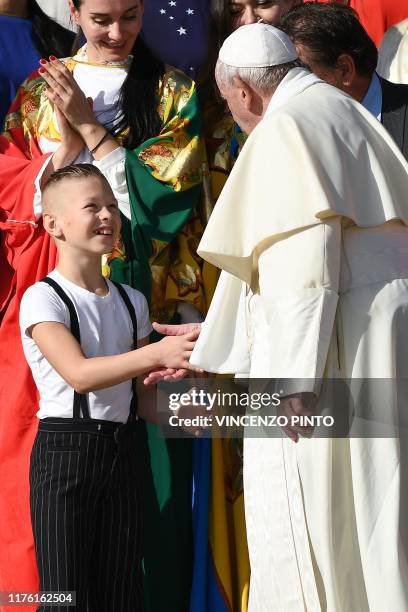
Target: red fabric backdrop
[[26, 255], [379, 15]]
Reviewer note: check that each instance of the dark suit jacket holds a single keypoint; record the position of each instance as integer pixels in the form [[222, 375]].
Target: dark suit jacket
[[395, 113]]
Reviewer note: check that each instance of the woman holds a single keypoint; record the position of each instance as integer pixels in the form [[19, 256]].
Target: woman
[[113, 104], [26, 34]]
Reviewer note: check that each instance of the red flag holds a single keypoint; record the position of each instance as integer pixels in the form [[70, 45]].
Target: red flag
[[26, 255]]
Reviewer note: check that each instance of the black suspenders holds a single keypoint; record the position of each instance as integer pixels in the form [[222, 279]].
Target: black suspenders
[[80, 400], [122, 292]]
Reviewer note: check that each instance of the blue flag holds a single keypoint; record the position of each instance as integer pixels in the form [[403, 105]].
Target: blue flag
[[176, 31]]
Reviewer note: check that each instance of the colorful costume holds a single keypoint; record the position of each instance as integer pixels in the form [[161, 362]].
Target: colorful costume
[[157, 186]]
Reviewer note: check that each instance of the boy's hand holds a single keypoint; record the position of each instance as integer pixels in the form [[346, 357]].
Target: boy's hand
[[174, 351], [173, 374]]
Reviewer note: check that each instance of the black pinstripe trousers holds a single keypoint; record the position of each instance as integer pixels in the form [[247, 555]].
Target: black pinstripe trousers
[[85, 513]]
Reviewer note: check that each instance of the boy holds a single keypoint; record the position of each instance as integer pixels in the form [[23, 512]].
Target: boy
[[78, 332]]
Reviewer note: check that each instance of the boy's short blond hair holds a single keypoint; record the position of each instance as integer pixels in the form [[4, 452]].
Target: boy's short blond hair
[[72, 172]]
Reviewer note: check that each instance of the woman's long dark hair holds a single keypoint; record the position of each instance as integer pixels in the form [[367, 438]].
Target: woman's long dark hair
[[213, 107], [49, 37], [139, 95], [221, 21]]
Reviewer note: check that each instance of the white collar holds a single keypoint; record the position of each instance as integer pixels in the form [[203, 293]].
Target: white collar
[[296, 81]]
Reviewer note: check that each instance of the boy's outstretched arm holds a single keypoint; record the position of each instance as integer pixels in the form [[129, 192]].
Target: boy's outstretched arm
[[63, 352]]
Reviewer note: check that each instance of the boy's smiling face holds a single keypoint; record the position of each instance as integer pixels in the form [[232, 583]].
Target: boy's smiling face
[[82, 214]]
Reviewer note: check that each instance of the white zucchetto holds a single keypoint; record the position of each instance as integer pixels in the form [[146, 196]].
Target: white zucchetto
[[257, 45]]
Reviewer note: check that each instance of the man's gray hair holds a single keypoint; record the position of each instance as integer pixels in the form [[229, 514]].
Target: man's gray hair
[[261, 79]]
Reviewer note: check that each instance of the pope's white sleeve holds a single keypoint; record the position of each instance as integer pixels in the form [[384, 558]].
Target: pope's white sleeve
[[298, 288], [222, 346], [112, 167]]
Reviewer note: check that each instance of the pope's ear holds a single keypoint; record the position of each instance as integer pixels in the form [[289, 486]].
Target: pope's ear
[[245, 92]]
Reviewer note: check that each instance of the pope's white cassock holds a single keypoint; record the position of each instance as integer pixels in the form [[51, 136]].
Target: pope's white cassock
[[310, 232]]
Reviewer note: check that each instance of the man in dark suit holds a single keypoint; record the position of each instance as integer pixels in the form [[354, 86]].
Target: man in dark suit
[[331, 41]]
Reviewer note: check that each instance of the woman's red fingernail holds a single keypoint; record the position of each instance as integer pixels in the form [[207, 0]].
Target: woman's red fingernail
[[52, 58], [41, 71], [43, 62]]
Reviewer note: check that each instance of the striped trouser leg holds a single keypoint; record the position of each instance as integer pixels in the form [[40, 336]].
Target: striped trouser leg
[[116, 577], [69, 473]]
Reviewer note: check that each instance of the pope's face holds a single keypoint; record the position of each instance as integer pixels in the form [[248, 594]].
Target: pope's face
[[244, 12], [234, 98]]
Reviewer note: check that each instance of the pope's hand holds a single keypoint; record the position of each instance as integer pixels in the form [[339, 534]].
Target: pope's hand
[[177, 330], [295, 406]]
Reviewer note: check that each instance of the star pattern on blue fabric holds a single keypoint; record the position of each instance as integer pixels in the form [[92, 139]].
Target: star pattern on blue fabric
[[189, 11], [176, 30]]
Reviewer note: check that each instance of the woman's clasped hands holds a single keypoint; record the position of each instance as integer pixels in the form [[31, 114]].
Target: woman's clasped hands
[[79, 129], [65, 94]]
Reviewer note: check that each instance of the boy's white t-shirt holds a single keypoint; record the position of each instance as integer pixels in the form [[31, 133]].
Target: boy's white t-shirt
[[106, 329]]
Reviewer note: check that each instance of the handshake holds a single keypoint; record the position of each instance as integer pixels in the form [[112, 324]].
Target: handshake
[[174, 351]]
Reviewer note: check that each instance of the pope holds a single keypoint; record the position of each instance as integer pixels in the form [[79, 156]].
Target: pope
[[314, 285]]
